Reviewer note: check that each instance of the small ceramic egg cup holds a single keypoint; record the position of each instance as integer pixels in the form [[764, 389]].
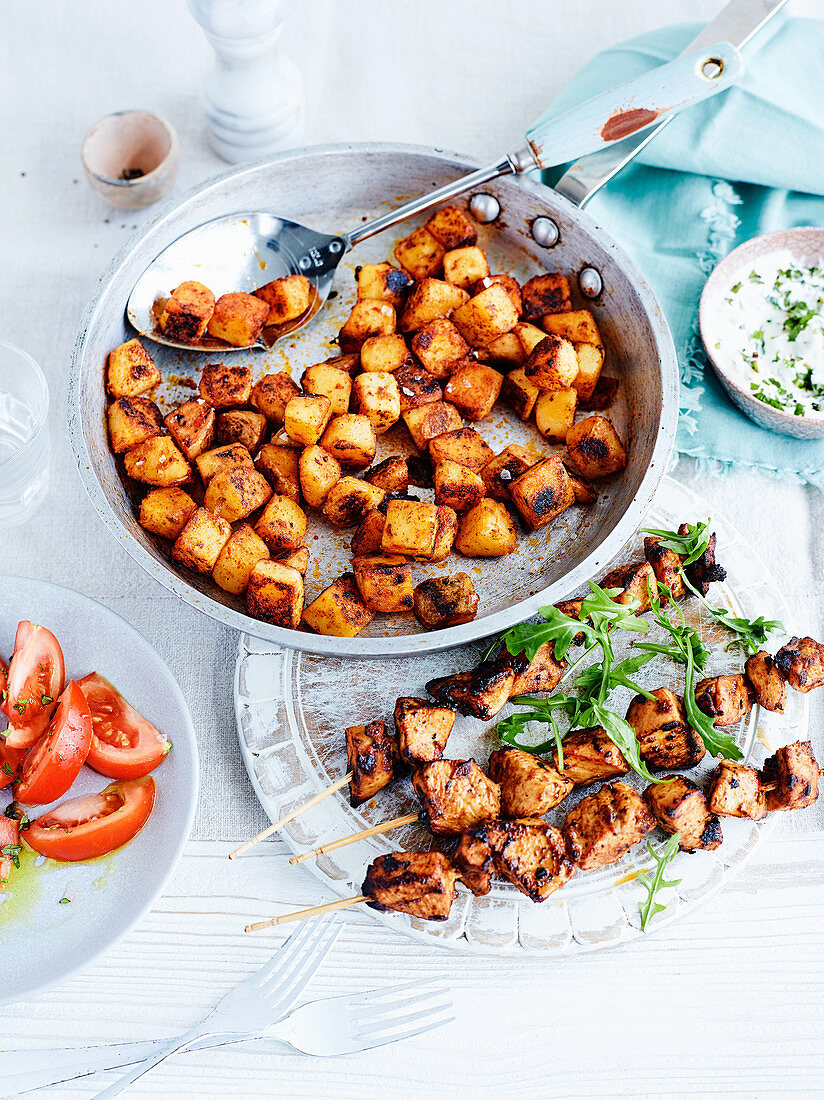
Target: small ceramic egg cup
[[130, 158]]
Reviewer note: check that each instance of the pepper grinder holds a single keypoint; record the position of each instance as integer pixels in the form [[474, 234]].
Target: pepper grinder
[[253, 93]]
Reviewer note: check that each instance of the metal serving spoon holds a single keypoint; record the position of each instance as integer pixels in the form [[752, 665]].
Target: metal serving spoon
[[246, 250]]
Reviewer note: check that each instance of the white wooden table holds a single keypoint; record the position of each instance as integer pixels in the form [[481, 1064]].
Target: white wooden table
[[729, 1000]]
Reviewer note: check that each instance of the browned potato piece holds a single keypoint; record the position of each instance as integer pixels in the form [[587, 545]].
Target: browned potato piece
[[801, 663], [555, 414], [319, 472], [238, 558], [542, 492], [199, 543], [192, 427], [351, 440], [282, 524], [431, 299], [726, 699], [338, 610], [521, 393], [605, 825], [410, 528], [790, 777], [421, 884], [486, 531], [384, 282], [157, 462], [590, 755], [552, 364], [457, 486], [369, 534], [306, 418], [486, 316], [510, 285], [546, 294], [222, 386], [420, 254], [529, 336], [594, 448], [576, 325], [385, 354], [220, 459], [529, 787], [462, 445], [236, 493], [584, 492], [439, 346], [350, 500], [417, 387], [391, 475], [323, 380], [590, 363], [455, 795], [372, 757], [367, 318], [238, 318], [375, 395], [132, 421], [166, 512], [423, 730], [429, 421], [634, 582], [505, 352], [350, 362], [384, 582], [186, 314], [473, 389], [275, 594], [241, 426], [287, 298], [131, 370], [452, 227], [297, 559], [766, 682], [445, 601], [421, 471], [479, 692], [666, 565], [272, 393], [680, 807], [503, 469], [444, 535], [281, 468], [664, 737], [735, 791], [465, 266], [541, 674]]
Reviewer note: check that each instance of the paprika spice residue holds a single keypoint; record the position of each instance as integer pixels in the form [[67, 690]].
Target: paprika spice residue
[[623, 123]]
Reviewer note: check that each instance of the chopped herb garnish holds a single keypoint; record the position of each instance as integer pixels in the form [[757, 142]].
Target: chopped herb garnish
[[655, 882], [12, 852]]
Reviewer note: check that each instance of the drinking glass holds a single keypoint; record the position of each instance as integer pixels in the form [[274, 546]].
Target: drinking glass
[[24, 436]]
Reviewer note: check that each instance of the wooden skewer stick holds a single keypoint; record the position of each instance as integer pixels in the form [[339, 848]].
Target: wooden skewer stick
[[395, 823], [313, 801], [303, 914]]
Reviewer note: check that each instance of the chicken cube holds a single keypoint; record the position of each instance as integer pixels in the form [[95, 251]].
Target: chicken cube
[[274, 594], [503, 469], [473, 860], [375, 395], [423, 730], [222, 386], [462, 445], [131, 370], [132, 421], [241, 426], [465, 266], [445, 601], [486, 316], [157, 462], [633, 581], [385, 354], [319, 472], [766, 682], [238, 318], [186, 314], [372, 757], [282, 524], [529, 853], [543, 672], [287, 298], [350, 500], [473, 389], [552, 364], [521, 393], [726, 699], [271, 394], [351, 440], [555, 413], [790, 777], [166, 512], [679, 806], [595, 449], [479, 692], [544, 294], [417, 387], [455, 795], [486, 531], [801, 663], [704, 570], [391, 475], [236, 493], [238, 558], [384, 582], [281, 468], [665, 738], [590, 755], [431, 299], [383, 282], [529, 786], [666, 565], [199, 543], [457, 486], [604, 825], [439, 347], [410, 528], [338, 610], [542, 492], [421, 884], [735, 791], [420, 254], [220, 459], [429, 421], [452, 227], [323, 380], [306, 417]]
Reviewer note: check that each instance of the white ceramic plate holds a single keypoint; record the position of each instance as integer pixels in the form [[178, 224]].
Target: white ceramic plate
[[41, 940], [292, 709]]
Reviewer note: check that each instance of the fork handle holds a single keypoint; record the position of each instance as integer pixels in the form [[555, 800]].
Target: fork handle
[[165, 1050]]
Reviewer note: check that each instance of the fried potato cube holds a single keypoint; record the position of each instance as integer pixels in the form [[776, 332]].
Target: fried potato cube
[[421, 471], [455, 795], [420, 254], [281, 468], [132, 421], [236, 493], [166, 512], [272, 393], [735, 791], [287, 298], [423, 730], [486, 316], [157, 462], [555, 413], [503, 469], [323, 380], [542, 492], [427, 422], [369, 534], [452, 227], [238, 318], [552, 364], [350, 500], [801, 663], [275, 594], [590, 755], [473, 389], [368, 318], [372, 757], [528, 336], [445, 601], [457, 486], [384, 582], [529, 786], [445, 534], [222, 386], [666, 565], [238, 558], [486, 531], [385, 354], [431, 299], [220, 459], [633, 582], [410, 528], [282, 524], [664, 737], [679, 806], [766, 682], [510, 285], [375, 395], [241, 426], [421, 884], [351, 440], [199, 543], [338, 610], [604, 825], [541, 674], [584, 492], [383, 282], [547, 293], [590, 363], [726, 699], [391, 475], [473, 860], [297, 559], [506, 351], [192, 427], [318, 472], [306, 418], [530, 854], [417, 387], [439, 346], [521, 393], [577, 326], [462, 445], [131, 370], [594, 448], [479, 692], [186, 314], [790, 777], [465, 266]]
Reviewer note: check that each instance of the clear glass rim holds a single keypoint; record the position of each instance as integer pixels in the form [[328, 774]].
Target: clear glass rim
[[42, 413]]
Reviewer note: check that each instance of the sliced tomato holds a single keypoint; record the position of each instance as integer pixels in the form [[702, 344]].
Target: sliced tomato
[[11, 764], [4, 687], [9, 848], [95, 824], [54, 762], [35, 680], [125, 745]]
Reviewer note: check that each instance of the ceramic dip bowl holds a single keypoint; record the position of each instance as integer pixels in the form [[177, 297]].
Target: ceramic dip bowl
[[130, 158]]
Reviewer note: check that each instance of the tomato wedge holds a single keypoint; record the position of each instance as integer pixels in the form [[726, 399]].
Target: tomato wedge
[[11, 764], [125, 745], [35, 679], [4, 687], [54, 762], [9, 848], [95, 824]]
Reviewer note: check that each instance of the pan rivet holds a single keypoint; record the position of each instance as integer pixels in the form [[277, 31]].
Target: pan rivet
[[335, 246], [545, 232], [484, 208], [305, 262], [590, 282]]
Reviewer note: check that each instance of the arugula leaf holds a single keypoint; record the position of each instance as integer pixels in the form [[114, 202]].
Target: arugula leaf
[[491, 649], [652, 884], [689, 546], [749, 634], [622, 733], [556, 627], [513, 728]]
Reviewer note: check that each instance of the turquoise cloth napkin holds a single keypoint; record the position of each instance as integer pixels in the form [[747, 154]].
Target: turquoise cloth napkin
[[744, 163]]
